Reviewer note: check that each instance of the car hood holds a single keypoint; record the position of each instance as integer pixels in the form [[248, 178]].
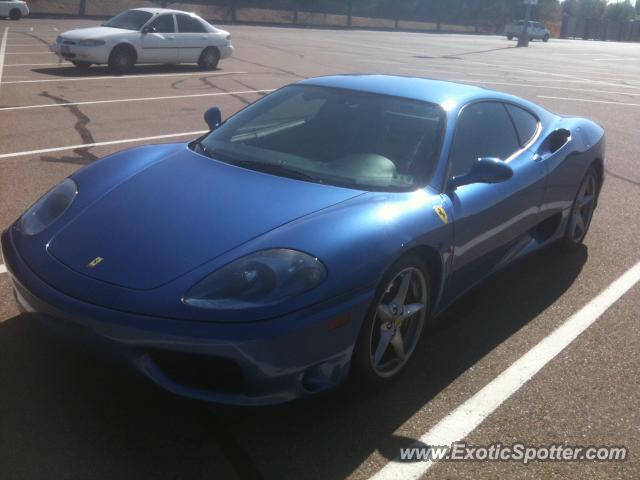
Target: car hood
[[93, 32], [179, 213]]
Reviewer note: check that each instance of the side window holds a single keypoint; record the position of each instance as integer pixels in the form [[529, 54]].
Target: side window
[[525, 123], [484, 130], [163, 24], [187, 24]]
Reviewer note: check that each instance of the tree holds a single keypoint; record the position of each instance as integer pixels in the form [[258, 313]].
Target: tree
[[544, 11], [620, 11], [591, 9]]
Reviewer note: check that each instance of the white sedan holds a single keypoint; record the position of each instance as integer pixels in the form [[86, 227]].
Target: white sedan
[[14, 9], [146, 35]]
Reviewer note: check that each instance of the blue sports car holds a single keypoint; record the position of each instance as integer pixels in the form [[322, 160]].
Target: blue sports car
[[308, 239]]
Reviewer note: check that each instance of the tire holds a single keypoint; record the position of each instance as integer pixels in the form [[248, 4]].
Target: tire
[[82, 65], [582, 210], [122, 59], [545, 39], [510, 36], [209, 59], [15, 14], [375, 362]]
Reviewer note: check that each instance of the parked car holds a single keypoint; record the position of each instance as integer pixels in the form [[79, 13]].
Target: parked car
[[14, 9], [306, 240], [146, 35], [536, 30]]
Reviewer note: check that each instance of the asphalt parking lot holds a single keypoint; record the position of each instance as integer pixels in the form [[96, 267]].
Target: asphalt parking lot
[[63, 415]]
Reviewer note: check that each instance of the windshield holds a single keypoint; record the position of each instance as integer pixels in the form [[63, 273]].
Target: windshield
[[129, 20], [334, 136]]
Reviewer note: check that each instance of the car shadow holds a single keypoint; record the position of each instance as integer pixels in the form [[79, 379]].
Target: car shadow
[[85, 421], [70, 71]]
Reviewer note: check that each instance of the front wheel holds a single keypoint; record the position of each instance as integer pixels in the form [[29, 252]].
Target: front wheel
[[121, 60], [393, 326], [510, 36], [209, 59], [15, 14], [545, 38], [582, 210]]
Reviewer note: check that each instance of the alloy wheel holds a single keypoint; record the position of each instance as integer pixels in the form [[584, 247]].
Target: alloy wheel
[[583, 208], [398, 322]]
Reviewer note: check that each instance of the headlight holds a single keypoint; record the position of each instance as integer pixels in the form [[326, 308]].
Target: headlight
[[260, 279], [91, 43], [46, 210]]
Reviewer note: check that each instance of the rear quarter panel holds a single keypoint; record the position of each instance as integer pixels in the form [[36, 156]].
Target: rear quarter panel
[[567, 166]]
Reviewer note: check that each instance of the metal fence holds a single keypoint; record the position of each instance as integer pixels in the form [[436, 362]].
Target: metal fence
[[596, 29], [329, 13]]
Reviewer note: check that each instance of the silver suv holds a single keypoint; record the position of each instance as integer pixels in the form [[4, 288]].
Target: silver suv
[[536, 30]]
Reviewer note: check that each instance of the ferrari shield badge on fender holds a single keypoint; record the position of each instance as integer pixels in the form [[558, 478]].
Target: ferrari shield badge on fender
[[442, 213], [95, 262]]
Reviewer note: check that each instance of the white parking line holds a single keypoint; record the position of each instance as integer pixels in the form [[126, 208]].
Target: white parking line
[[590, 101], [102, 144], [468, 416], [143, 99], [551, 87], [33, 64], [31, 53], [3, 269], [508, 75], [127, 77], [3, 48], [33, 44]]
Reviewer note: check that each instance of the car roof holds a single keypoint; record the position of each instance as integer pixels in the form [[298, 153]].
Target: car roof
[[427, 90], [161, 10]]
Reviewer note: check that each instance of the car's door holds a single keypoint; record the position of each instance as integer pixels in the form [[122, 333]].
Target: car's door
[[4, 8], [159, 41], [536, 31], [192, 38], [492, 221]]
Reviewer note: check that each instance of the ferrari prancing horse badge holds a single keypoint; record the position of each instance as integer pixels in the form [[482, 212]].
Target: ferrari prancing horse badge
[[442, 213]]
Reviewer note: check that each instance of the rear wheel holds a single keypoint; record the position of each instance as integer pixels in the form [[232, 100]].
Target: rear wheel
[[582, 210], [122, 59], [15, 14], [82, 65], [545, 38], [510, 36], [209, 58], [393, 326]]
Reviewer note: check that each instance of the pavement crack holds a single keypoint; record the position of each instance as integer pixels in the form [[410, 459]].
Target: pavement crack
[[282, 70], [84, 156], [622, 177], [37, 38]]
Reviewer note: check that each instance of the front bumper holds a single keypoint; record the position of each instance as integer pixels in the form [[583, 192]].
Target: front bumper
[[261, 363], [74, 52], [226, 51]]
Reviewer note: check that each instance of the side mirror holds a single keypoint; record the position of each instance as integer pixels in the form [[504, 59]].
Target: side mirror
[[147, 29], [485, 170], [213, 117]]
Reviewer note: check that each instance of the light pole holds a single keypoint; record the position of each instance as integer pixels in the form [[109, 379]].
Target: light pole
[[523, 38]]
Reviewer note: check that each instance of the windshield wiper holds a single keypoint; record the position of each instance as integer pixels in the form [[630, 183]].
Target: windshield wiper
[[276, 169]]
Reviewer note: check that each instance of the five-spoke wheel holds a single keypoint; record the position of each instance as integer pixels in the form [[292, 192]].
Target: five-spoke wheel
[[582, 209], [394, 324]]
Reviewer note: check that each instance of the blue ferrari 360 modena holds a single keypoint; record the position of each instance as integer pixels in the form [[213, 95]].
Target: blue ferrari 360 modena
[[308, 239]]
